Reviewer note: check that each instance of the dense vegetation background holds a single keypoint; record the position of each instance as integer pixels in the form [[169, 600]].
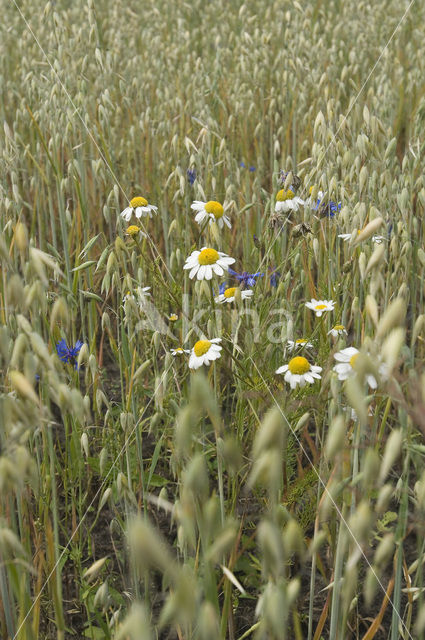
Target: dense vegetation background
[[139, 499]]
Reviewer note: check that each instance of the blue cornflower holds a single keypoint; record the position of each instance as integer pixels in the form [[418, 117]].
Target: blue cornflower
[[222, 288], [248, 279], [68, 354], [328, 208], [243, 165], [274, 277], [191, 176]]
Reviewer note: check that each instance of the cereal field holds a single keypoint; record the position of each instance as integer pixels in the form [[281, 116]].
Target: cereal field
[[212, 320]]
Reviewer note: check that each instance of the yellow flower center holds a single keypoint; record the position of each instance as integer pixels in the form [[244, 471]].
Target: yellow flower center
[[208, 256], [300, 341], [229, 293], [299, 365], [353, 360], [133, 230], [320, 306], [215, 208], [173, 317], [201, 347], [138, 202], [179, 350], [339, 327], [311, 189], [284, 195]]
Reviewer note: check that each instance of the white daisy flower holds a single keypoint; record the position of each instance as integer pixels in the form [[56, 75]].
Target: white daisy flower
[[204, 263], [291, 345], [142, 292], [230, 293], [299, 372], [133, 230], [344, 236], [179, 351], [212, 211], [345, 368], [320, 306], [287, 201], [140, 207], [337, 330], [204, 352], [378, 239]]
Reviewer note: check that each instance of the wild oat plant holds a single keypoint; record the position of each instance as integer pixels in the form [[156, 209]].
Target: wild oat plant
[[212, 327]]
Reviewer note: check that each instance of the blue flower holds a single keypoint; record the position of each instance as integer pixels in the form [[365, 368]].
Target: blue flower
[[327, 208], [243, 165], [68, 354], [222, 288], [274, 277], [248, 279], [191, 176]]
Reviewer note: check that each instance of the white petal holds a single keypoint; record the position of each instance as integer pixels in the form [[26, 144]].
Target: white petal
[[208, 271], [371, 381], [224, 260], [197, 205], [282, 369], [127, 213], [201, 272], [200, 216], [194, 271], [218, 269]]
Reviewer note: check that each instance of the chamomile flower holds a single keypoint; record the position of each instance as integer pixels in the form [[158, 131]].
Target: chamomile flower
[[204, 263], [344, 236], [212, 211], [229, 294], [133, 230], [291, 345], [142, 293], [286, 200], [378, 239], [204, 352], [179, 351], [320, 306], [173, 317], [346, 359], [299, 371], [139, 206], [337, 330]]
